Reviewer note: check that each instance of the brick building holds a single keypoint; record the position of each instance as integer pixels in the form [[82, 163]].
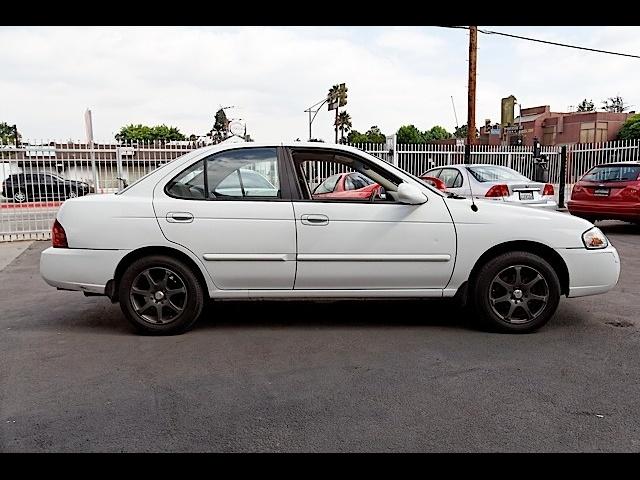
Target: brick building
[[554, 128]]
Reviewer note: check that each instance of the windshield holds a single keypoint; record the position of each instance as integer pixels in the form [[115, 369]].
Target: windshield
[[491, 173], [613, 173]]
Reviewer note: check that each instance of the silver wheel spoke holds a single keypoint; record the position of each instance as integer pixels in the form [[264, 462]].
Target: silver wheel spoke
[[530, 284], [175, 291], [525, 307], [139, 291], [518, 270], [502, 299], [159, 312], [174, 307], [147, 275], [512, 308], [502, 283], [145, 306], [163, 282], [540, 298]]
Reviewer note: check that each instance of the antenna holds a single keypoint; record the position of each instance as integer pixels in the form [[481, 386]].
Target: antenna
[[467, 161], [454, 111]]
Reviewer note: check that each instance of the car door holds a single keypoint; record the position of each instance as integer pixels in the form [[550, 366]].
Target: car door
[[244, 231], [351, 244]]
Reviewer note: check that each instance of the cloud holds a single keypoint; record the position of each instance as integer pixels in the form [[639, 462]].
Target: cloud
[[181, 75]]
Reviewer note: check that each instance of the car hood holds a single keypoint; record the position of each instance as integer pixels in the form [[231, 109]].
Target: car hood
[[515, 222]]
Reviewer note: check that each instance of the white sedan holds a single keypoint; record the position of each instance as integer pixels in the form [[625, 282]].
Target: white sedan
[[494, 182], [240, 222]]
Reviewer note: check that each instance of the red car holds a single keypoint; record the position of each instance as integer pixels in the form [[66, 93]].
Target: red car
[[434, 182], [356, 186], [608, 191], [352, 185]]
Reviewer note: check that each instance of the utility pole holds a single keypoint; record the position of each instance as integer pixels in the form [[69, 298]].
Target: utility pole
[[471, 107]]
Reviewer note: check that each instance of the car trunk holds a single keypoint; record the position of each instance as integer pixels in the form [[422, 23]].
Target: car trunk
[[607, 192], [521, 192]]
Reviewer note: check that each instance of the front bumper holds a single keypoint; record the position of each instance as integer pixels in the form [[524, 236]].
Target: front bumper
[[79, 268], [591, 271]]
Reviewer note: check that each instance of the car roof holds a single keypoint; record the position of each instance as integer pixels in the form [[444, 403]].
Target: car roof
[[624, 163], [292, 144]]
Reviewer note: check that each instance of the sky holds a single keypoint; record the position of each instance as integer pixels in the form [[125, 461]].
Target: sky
[[396, 76]]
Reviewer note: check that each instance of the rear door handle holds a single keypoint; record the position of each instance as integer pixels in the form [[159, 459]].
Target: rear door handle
[[179, 217], [316, 220]]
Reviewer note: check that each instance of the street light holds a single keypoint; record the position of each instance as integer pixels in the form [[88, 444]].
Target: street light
[[311, 110]]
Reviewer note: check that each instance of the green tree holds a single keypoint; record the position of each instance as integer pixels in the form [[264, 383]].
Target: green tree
[[343, 122], [410, 134], [615, 104], [130, 133], [163, 132], [356, 137], [631, 128], [144, 133], [220, 126], [8, 134], [436, 133], [586, 106], [461, 132], [374, 135]]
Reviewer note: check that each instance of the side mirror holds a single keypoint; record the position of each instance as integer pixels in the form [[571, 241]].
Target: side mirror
[[410, 194]]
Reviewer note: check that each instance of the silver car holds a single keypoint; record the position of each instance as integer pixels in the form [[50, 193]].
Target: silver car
[[494, 182]]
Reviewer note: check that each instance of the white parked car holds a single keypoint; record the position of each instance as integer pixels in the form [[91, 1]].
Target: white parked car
[[494, 182], [196, 228]]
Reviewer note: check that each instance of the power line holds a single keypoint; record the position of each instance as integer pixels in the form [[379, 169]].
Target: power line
[[491, 32]]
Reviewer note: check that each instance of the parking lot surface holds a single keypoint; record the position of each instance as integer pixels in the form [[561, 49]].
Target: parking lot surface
[[328, 376]]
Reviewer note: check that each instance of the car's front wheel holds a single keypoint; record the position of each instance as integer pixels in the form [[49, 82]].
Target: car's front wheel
[[516, 292], [160, 295]]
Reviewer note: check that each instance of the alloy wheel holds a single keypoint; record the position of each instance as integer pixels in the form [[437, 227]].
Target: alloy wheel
[[158, 295], [19, 196], [518, 294]]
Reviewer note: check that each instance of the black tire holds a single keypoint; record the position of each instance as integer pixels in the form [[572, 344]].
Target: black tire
[[507, 312], [177, 311]]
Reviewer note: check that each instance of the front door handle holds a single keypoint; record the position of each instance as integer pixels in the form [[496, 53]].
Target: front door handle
[[179, 217], [316, 220]]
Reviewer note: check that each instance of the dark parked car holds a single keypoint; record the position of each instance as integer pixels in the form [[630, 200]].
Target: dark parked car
[[23, 187]]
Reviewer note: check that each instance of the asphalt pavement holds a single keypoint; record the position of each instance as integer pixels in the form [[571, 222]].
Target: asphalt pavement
[[323, 376]]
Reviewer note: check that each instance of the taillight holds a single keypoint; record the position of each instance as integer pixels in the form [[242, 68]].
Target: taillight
[[577, 189], [498, 191], [548, 189], [58, 236]]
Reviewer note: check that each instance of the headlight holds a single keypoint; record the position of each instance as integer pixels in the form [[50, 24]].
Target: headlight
[[594, 239]]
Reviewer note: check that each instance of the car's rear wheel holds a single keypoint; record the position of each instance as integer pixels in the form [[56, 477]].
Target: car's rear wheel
[[516, 292], [19, 196], [72, 194], [160, 295]]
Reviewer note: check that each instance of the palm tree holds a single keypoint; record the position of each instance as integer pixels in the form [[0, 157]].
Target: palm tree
[[337, 93], [343, 122]]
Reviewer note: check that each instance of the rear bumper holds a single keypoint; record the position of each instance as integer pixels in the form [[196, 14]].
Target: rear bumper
[[550, 204], [619, 211], [79, 268], [591, 271]]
